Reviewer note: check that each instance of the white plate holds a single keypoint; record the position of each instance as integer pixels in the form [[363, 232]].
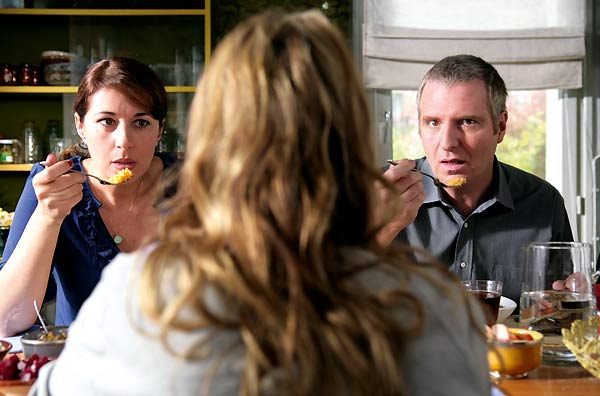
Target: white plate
[[16, 343], [507, 306]]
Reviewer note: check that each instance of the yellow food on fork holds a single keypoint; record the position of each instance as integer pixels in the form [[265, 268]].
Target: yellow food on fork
[[121, 177], [457, 182]]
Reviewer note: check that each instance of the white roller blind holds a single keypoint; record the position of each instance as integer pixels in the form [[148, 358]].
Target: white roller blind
[[534, 44]]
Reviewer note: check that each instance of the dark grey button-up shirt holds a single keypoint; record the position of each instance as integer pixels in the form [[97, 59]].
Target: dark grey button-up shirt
[[489, 243]]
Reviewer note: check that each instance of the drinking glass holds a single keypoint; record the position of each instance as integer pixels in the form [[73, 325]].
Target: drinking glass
[[556, 291], [488, 292]]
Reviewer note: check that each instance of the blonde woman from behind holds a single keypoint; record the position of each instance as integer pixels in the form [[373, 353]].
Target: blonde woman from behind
[[266, 277]]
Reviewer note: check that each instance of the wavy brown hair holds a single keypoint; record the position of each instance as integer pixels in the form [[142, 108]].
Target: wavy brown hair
[[275, 204]]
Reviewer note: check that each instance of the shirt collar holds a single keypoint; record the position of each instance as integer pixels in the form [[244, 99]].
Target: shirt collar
[[500, 184]]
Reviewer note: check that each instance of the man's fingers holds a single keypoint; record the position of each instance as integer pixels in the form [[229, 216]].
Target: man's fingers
[[413, 192], [400, 169]]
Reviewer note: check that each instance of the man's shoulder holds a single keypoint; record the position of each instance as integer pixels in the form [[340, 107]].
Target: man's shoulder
[[521, 181]]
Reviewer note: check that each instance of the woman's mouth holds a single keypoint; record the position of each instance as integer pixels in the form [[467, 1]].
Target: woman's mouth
[[124, 163]]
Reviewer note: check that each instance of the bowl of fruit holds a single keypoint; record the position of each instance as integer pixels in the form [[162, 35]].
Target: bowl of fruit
[[42, 343], [513, 352], [16, 371]]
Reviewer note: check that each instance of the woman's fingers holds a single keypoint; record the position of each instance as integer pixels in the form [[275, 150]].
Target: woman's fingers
[[53, 170], [56, 190]]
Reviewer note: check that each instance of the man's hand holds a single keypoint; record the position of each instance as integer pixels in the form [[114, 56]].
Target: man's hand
[[575, 282], [399, 207]]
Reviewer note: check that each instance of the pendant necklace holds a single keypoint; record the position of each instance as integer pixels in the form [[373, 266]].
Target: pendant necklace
[[117, 238]]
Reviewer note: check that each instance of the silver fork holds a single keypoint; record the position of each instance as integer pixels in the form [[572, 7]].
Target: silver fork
[[436, 181], [102, 181]]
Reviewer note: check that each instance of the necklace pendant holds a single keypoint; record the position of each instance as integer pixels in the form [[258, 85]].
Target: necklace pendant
[[118, 239]]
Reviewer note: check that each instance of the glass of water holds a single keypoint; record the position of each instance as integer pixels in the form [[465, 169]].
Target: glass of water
[[557, 290]]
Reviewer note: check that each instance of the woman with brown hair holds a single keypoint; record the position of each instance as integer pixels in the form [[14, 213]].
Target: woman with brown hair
[[266, 277], [67, 227]]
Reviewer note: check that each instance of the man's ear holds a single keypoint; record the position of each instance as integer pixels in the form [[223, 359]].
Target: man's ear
[[502, 120]]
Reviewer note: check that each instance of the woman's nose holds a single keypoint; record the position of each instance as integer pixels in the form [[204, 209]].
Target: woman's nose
[[123, 136]]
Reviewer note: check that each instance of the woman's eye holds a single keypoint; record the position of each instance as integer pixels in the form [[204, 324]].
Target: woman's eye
[[107, 122], [141, 123]]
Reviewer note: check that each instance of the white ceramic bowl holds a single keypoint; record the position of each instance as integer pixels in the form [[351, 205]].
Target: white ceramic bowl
[[507, 306]]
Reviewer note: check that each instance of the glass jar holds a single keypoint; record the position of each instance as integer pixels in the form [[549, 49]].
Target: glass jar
[[53, 137], [31, 139]]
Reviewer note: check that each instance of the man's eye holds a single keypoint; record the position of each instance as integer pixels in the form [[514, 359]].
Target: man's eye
[[468, 121], [432, 123]]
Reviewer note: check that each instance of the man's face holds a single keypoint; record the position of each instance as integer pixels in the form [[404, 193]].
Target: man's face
[[458, 131]]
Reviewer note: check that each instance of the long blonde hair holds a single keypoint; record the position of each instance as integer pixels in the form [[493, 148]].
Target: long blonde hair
[[277, 183]]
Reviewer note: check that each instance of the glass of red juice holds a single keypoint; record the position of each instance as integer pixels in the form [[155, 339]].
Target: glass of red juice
[[488, 292]]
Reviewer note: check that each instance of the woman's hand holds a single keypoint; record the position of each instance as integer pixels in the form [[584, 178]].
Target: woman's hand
[[56, 190], [402, 205]]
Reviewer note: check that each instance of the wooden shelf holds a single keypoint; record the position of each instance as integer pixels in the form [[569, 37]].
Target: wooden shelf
[[39, 89], [15, 167], [72, 89], [100, 12]]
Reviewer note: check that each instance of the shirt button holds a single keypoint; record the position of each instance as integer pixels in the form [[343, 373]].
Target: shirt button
[[463, 264], [466, 225]]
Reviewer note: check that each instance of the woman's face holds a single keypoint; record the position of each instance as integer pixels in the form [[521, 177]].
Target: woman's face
[[119, 134]]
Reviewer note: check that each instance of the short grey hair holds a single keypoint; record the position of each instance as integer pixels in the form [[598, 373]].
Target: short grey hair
[[462, 68]]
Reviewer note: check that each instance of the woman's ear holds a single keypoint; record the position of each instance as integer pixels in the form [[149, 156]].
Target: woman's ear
[[79, 126], [161, 129]]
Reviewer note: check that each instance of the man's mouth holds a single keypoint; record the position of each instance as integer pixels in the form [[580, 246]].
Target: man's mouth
[[453, 162], [452, 166]]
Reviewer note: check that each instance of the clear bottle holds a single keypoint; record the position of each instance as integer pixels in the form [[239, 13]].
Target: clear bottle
[[31, 139], [54, 135]]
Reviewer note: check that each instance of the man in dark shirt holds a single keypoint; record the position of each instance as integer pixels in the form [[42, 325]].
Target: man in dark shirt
[[480, 228]]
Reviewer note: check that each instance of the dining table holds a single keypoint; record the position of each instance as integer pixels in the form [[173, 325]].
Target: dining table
[[546, 380], [552, 380]]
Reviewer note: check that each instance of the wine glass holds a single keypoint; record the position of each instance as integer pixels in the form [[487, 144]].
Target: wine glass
[[556, 291]]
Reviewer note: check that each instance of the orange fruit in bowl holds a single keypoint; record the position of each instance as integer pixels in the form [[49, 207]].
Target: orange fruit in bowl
[[515, 357]]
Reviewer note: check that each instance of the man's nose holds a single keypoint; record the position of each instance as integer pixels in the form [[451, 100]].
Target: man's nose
[[449, 136]]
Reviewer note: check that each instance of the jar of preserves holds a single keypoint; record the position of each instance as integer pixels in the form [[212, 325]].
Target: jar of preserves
[[6, 152], [8, 75], [27, 74]]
